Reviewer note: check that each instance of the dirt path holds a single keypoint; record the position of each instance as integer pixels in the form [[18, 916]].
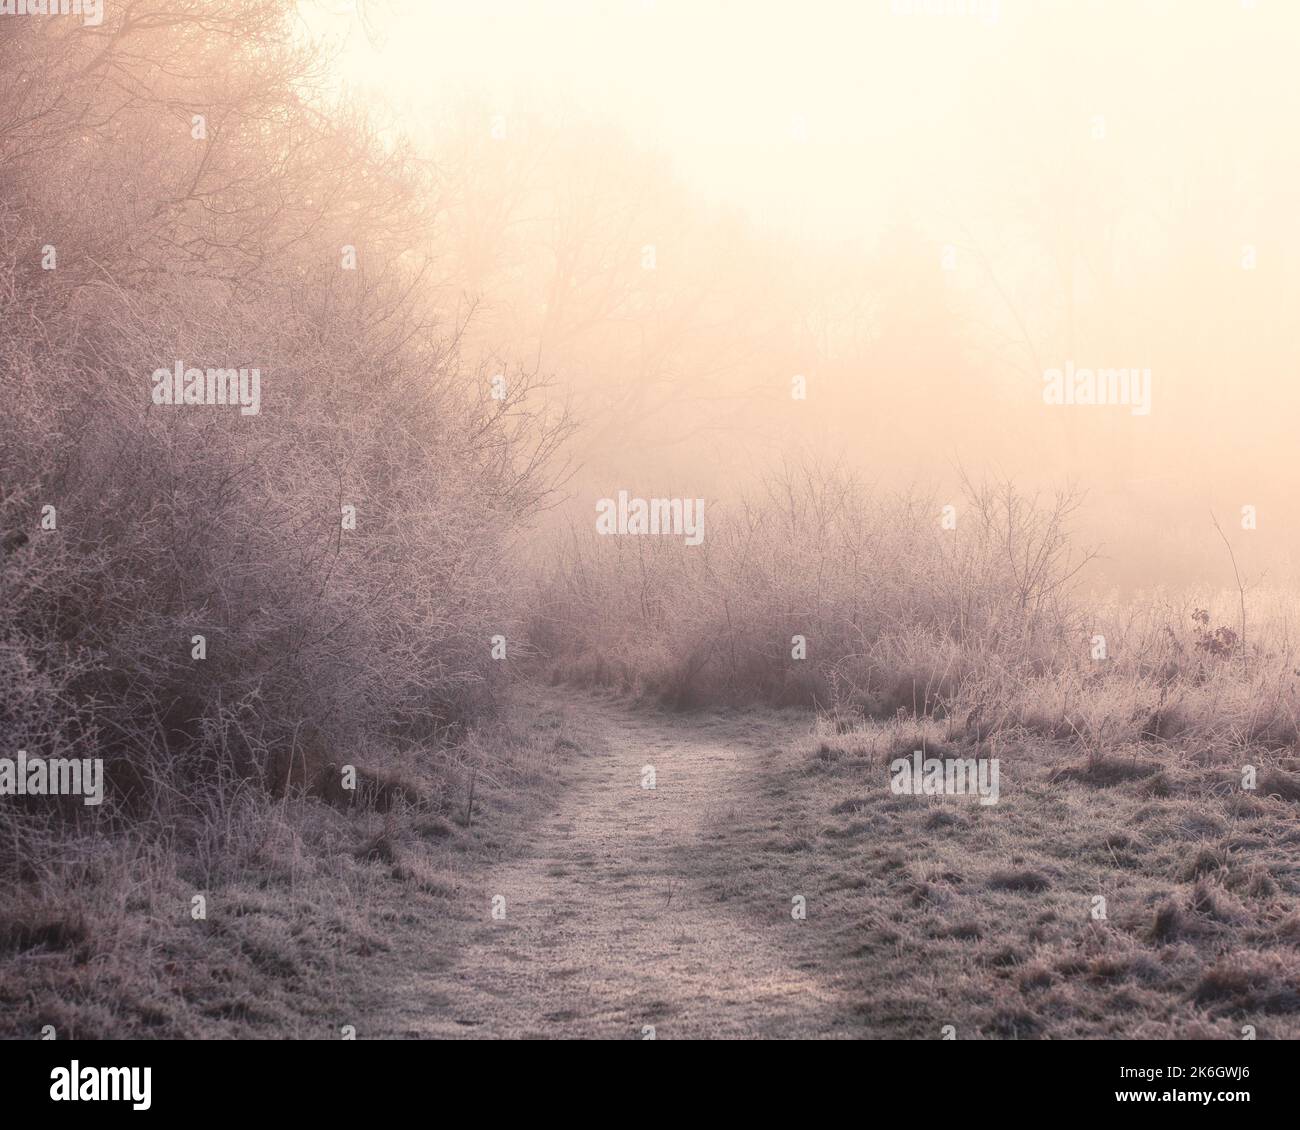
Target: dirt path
[[628, 908], [613, 920]]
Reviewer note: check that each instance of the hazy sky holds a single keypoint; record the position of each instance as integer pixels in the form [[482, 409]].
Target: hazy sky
[[1105, 167], [799, 112]]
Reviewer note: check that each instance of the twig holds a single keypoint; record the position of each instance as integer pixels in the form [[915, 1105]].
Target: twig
[[1241, 592], [469, 808]]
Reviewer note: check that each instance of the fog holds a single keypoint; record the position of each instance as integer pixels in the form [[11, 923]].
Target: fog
[[919, 208]]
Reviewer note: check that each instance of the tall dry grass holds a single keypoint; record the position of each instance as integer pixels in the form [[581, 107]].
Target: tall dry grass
[[986, 620]]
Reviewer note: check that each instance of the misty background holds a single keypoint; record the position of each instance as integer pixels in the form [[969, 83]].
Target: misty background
[[919, 213]]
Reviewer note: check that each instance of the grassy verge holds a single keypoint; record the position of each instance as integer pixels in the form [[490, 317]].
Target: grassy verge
[[309, 907], [933, 911]]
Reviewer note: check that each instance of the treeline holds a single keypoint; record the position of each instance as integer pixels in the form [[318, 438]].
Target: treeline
[[197, 591]]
